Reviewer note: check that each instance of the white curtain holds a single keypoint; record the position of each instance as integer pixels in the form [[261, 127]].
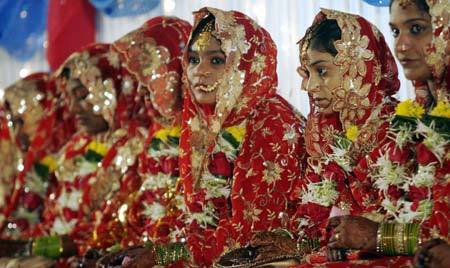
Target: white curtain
[[286, 20]]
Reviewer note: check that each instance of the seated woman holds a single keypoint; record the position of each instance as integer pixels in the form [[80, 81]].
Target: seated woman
[[409, 172], [351, 77], [241, 144], [146, 211], [34, 128], [109, 137]]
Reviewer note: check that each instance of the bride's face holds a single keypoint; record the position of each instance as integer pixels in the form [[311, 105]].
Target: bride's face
[[206, 67], [323, 77]]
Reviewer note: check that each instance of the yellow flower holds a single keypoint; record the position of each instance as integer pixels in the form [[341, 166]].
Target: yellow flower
[[97, 147], [162, 134], [409, 108], [442, 109], [352, 132], [237, 132], [175, 132], [50, 162]]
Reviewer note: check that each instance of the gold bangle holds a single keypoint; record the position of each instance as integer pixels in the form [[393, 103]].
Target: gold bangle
[[379, 238], [399, 230]]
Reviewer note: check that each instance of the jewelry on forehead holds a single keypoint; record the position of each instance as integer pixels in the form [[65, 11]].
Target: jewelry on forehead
[[405, 3], [204, 37]]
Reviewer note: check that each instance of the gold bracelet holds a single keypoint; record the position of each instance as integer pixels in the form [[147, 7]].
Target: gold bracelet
[[379, 237], [399, 230]]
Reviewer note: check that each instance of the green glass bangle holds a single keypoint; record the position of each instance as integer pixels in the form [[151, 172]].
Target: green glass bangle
[[48, 246], [171, 253]]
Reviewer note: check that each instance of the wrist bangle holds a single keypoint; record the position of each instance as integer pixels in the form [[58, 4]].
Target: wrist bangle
[[412, 238], [379, 231], [48, 246], [307, 245], [399, 234], [167, 254], [387, 239]]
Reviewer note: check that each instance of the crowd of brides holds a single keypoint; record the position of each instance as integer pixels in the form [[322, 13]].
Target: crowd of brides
[[171, 147]]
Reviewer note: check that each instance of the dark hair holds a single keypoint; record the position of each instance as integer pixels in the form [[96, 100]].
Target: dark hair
[[65, 73], [420, 4], [200, 27], [324, 35]]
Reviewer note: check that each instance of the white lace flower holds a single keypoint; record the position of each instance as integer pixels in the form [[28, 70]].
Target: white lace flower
[[154, 211], [62, 227], [157, 181], [406, 214], [70, 199], [424, 176], [323, 193], [388, 173], [402, 135], [215, 187], [204, 218], [340, 156], [433, 140]]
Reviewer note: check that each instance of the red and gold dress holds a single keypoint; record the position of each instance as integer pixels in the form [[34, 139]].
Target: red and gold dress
[[35, 101], [146, 211], [337, 142], [404, 178], [239, 159], [90, 168]]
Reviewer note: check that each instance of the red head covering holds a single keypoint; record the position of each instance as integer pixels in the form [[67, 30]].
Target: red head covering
[[370, 76], [36, 98], [100, 72], [152, 54], [363, 103], [267, 164]]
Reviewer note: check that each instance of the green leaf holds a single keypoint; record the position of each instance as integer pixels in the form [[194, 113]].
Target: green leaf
[[92, 156], [42, 170], [228, 137], [155, 144]]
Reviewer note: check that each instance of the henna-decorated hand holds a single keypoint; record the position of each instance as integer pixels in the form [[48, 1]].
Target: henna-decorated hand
[[352, 232], [433, 254]]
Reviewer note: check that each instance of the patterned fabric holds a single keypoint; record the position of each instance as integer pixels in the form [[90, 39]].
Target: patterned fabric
[[416, 155], [439, 12], [90, 167], [35, 100], [238, 168], [336, 142], [143, 207]]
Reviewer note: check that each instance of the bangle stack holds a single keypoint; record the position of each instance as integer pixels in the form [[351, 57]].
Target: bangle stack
[[307, 245], [48, 246], [397, 238], [170, 253]]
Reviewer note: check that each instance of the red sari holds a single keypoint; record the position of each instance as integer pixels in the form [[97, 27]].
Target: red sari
[[238, 160], [91, 167], [419, 191], [33, 182], [148, 214], [336, 143], [423, 194]]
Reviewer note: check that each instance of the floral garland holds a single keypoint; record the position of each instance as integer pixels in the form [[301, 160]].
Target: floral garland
[[215, 184], [162, 202], [81, 159], [36, 188], [405, 172]]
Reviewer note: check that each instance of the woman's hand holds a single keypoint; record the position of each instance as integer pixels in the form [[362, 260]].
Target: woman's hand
[[352, 232], [271, 244], [135, 257], [434, 253]]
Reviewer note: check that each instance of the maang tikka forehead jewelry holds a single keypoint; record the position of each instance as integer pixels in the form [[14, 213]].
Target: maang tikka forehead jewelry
[[204, 37]]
